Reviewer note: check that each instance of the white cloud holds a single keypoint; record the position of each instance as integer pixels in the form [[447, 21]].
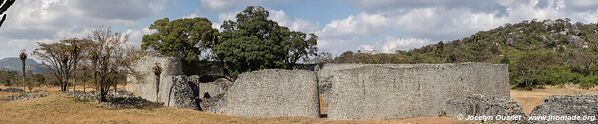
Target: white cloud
[[362, 24], [223, 17], [367, 48], [393, 44], [293, 23], [31, 21], [412, 24], [117, 9], [219, 4]]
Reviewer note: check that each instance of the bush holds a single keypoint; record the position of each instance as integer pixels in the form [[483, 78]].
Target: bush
[[559, 76], [588, 81]]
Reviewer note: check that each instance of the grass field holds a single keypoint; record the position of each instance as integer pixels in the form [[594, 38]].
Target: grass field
[[58, 108]]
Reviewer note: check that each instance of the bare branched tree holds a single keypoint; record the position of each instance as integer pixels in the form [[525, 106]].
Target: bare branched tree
[[77, 50], [61, 57], [109, 58]]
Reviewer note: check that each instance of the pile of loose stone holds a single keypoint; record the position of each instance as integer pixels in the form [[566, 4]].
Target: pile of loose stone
[[11, 89], [567, 105], [484, 105], [128, 102], [24, 96], [119, 100]]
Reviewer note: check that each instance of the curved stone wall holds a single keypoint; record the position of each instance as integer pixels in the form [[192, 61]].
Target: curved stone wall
[[272, 93], [400, 91]]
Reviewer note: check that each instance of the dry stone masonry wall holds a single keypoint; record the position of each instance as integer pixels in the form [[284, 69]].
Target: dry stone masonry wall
[[568, 106], [272, 93], [400, 91], [352, 91], [143, 83], [486, 105]]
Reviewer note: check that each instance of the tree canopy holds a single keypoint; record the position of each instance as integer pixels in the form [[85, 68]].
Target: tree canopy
[[253, 42], [185, 38]]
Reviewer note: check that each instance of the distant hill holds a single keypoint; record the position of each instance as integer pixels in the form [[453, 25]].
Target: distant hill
[[537, 52], [14, 64]]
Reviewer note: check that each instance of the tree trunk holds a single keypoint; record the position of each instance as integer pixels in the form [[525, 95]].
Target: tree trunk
[[23, 65], [74, 80]]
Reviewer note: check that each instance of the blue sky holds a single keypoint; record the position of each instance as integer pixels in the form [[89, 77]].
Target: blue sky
[[342, 25]]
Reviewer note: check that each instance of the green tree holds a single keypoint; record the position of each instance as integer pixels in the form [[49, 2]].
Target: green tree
[[185, 39], [530, 67], [254, 42]]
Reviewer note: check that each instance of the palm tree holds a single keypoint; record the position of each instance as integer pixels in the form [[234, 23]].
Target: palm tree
[[23, 57]]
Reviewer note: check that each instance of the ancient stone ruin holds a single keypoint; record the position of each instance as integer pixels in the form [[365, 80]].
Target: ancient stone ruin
[[143, 82], [351, 91], [484, 105], [398, 91], [272, 93], [578, 105]]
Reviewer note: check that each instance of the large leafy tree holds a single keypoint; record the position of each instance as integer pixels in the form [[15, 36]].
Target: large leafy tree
[[185, 39], [253, 42]]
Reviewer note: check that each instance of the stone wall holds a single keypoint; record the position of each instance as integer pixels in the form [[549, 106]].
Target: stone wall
[[216, 87], [184, 93], [569, 106], [143, 83], [400, 91], [272, 93]]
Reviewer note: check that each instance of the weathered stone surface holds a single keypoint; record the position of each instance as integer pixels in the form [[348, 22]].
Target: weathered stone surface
[[271, 93], [26, 96], [400, 91], [12, 89], [184, 93], [128, 102], [216, 87], [143, 83], [579, 105], [486, 105]]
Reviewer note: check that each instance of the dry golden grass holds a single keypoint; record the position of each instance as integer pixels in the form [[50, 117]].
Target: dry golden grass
[[57, 108]]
